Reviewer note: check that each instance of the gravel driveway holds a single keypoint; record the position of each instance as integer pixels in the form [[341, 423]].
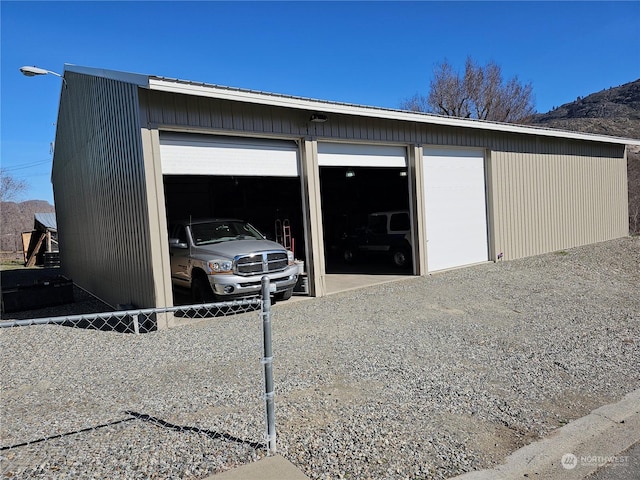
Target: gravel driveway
[[421, 378]]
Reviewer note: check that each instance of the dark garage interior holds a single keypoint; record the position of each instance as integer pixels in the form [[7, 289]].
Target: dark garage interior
[[260, 201], [349, 195]]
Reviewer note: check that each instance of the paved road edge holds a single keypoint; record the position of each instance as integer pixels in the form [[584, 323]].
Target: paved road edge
[[587, 442]]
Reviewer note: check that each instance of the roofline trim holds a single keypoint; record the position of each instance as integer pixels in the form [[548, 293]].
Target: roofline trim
[[300, 103], [134, 78]]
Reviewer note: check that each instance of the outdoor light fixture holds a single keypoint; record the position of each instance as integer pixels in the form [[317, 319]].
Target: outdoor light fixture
[[318, 118], [34, 71], [350, 173]]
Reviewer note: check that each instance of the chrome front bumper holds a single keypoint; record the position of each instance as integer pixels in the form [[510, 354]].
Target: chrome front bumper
[[237, 286]]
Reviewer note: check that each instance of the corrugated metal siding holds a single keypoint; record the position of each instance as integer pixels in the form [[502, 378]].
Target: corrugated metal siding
[[543, 202], [201, 113], [546, 193], [99, 189], [181, 111]]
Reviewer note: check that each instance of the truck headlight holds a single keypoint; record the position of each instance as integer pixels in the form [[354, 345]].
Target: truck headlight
[[219, 266], [290, 257]]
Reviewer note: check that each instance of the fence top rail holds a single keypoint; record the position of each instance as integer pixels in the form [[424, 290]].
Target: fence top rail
[[243, 302]]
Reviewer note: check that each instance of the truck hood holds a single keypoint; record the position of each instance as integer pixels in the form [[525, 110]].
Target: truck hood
[[232, 248]]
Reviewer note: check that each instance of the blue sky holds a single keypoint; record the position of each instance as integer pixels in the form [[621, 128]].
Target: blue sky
[[370, 53]]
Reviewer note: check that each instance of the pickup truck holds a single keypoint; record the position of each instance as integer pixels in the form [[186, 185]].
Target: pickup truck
[[386, 235], [221, 259]]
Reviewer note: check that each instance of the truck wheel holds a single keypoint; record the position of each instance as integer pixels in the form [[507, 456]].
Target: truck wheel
[[201, 291], [400, 257], [286, 295], [348, 255]]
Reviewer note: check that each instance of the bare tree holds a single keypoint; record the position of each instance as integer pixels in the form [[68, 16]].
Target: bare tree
[[10, 188], [417, 103], [480, 92], [448, 94], [633, 178]]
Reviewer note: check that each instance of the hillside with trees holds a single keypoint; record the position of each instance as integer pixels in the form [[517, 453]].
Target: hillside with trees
[[17, 217], [614, 111]]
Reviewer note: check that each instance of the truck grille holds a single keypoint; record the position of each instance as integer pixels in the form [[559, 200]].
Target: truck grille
[[264, 262]]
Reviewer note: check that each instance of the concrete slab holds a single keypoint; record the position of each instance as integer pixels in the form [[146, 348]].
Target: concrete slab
[[268, 468], [578, 449], [340, 282]]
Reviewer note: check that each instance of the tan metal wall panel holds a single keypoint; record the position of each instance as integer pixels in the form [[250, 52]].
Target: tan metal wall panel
[[544, 202], [544, 193], [311, 200], [158, 236], [99, 190], [175, 111]]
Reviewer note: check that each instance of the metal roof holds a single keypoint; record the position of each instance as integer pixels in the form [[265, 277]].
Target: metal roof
[[47, 220], [202, 89]]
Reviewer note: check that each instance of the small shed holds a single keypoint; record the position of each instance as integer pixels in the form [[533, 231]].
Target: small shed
[[40, 246]]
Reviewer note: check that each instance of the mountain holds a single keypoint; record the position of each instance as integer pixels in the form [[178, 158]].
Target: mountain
[[614, 111], [16, 218]]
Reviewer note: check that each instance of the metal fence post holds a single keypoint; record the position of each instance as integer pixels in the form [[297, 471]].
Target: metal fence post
[[267, 362]]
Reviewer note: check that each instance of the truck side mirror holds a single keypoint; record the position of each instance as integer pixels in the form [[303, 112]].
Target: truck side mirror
[[176, 243]]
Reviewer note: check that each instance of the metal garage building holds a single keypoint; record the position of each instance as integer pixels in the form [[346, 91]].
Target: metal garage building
[[134, 150]]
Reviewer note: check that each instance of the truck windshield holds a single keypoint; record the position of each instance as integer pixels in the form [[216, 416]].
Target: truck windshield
[[377, 224], [222, 231]]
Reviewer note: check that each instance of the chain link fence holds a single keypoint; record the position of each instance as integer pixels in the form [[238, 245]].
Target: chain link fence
[[94, 401], [142, 320]]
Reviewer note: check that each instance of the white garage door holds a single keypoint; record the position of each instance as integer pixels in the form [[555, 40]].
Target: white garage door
[[455, 207], [350, 155], [192, 154]]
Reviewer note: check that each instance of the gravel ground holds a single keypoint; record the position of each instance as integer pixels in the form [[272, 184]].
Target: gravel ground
[[421, 378]]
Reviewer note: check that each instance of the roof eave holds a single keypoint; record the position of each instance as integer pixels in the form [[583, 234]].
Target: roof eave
[[127, 77], [262, 98]]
